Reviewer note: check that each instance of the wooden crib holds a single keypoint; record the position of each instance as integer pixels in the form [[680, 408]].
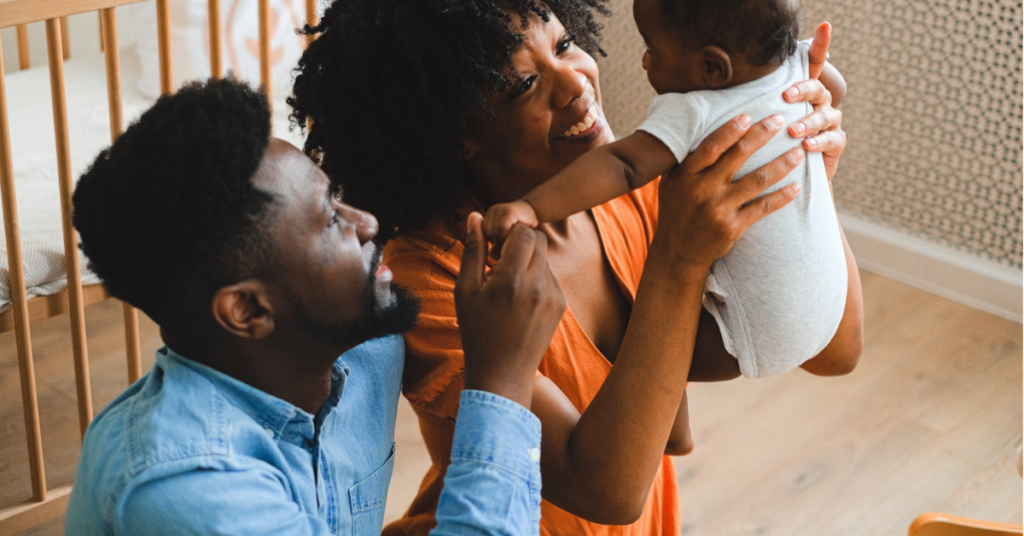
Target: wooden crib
[[48, 503]]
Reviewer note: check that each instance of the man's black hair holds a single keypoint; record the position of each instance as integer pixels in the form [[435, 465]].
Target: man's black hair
[[765, 30], [387, 87], [169, 213]]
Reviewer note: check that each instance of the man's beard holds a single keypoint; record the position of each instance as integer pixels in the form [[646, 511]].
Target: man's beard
[[380, 319]]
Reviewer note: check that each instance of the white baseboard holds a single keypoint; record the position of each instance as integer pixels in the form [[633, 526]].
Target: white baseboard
[[941, 271]]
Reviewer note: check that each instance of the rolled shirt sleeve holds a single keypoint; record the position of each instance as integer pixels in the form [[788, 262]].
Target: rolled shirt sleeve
[[493, 483]]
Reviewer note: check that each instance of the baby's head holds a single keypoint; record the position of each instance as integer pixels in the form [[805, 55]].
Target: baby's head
[[714, 44]]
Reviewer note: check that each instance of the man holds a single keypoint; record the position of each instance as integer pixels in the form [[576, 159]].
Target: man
[[260, 277]]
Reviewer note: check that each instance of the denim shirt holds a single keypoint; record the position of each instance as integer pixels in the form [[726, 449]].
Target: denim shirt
[[189, 450]]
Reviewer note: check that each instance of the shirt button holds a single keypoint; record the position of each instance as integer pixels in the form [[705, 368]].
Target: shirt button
[[270, 433], [534, 454]]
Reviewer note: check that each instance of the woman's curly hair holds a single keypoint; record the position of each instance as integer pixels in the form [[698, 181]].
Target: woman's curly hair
[[387, 86]]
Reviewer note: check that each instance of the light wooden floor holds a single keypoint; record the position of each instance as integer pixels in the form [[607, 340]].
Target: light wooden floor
[[930, 421]]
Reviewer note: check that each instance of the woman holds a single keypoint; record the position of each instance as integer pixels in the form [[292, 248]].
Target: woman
[[424, 112]]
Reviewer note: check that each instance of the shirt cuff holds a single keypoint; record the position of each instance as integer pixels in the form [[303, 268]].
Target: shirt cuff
[[496, 431]]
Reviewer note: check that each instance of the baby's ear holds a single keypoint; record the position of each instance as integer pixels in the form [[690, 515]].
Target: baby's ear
[[716, 66]]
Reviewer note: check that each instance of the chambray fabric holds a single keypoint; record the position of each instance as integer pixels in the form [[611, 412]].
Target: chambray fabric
[[189, 450]]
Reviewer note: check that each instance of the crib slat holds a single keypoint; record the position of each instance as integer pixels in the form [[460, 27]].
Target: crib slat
[[65, 44], [108, 18], [24, 60], [23, 339], [14, 12], [264, 7], [311, 14], [71, 261], [163, 30], [113, 63], [264, 54], [216, 59]]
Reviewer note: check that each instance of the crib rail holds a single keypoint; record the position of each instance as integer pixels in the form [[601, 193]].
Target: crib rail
[[47, 503], [15, 12]]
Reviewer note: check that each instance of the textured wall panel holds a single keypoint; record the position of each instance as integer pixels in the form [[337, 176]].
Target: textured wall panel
[[933, 114]]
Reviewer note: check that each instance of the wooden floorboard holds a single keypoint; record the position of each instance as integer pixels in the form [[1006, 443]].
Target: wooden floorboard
[[929, 421]]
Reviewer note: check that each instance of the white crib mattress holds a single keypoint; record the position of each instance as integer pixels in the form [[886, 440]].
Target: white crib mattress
[[35, 160]]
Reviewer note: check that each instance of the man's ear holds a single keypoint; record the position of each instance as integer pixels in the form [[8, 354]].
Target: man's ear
[[244, 309], [469, 148], [716, 66]]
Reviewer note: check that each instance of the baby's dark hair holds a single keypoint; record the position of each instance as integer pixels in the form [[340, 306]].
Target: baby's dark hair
[[388, 86], [168, 214], [766, 30]]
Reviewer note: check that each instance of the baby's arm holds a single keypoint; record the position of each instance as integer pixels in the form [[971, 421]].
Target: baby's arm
[[598, 176], [601, 175]]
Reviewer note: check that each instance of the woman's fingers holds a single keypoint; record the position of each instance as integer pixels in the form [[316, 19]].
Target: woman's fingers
[[827, 142], [754, 184], [717, 143], [767, 204], [818, 53], [754, 139], [823, 119], [812, 91]]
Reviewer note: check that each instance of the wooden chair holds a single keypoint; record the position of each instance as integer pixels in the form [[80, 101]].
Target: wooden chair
[[936, 524]]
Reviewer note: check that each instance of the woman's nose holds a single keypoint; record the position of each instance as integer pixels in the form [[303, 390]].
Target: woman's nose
[[572, 85], [646, 60]]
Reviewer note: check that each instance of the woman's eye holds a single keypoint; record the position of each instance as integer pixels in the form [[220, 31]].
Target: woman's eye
[[563, 45], [523, 86]]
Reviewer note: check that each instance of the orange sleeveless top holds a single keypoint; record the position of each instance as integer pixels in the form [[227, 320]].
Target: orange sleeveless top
[[427, 262]]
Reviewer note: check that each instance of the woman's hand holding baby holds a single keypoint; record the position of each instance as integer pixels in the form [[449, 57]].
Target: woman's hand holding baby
[[823, 128], [703, 213]]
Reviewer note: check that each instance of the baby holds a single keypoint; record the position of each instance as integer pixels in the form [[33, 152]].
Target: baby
[[779, 295]]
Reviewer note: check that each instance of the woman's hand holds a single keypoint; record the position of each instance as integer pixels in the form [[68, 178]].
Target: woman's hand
[[702, 211], [506, 315], [822, 129]]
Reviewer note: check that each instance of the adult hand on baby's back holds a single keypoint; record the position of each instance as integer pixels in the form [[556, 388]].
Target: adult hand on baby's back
[[702, 212], [823, 128], [508, 314]]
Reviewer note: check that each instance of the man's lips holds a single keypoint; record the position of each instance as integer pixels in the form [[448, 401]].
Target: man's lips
[[383, 273]]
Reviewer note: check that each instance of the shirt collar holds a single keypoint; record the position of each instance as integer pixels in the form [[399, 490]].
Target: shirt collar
[[272, 413]]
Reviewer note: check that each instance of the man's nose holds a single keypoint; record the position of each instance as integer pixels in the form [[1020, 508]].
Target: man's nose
[[366, 225], [646, 60]]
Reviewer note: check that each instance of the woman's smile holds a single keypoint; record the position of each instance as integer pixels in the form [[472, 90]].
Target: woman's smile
[[587, 128]]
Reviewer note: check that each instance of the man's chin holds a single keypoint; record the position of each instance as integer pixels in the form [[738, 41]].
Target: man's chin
[[395, 317]]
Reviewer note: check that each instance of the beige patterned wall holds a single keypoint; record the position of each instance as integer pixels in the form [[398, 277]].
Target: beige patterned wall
[[933, 114]]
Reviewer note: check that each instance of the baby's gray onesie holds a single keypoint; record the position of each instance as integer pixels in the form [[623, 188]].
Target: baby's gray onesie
[[779, 295]]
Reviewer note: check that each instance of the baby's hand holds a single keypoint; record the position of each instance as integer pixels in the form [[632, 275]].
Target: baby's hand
[[501, 217]]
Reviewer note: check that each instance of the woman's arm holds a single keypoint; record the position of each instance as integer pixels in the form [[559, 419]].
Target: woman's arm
[[600, 465]]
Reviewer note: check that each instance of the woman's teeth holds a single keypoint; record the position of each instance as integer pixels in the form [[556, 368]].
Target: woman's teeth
[[583, 125]]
